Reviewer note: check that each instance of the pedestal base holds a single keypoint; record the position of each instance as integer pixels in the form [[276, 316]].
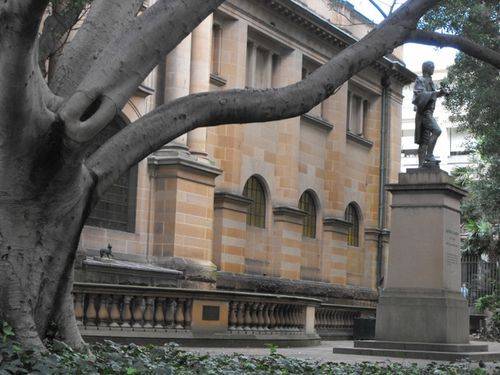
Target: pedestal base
[[417, 315], [435, 352]]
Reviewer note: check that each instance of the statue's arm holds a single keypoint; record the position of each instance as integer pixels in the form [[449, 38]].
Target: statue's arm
[[420, 96]]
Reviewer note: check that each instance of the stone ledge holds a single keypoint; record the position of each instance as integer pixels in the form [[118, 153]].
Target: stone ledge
[[217, 80], [231, 201], [193, 270], [121, 272], [178, 155], [417, 354], [359, 140], [336, 225], [289, 214], [188, 339], [421, 346], [318, 122], [315, 289], [443, 188]]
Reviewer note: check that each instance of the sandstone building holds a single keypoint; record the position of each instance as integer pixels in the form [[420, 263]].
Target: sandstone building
[[290, 207]]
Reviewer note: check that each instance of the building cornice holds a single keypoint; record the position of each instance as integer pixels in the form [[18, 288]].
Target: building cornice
[[303, 16]]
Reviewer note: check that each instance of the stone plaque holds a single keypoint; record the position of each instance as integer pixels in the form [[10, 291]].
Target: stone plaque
[[210, 313]]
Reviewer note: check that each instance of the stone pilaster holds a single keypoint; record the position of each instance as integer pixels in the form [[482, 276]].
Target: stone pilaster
[[178, 75], [370, 257], [230, 231], [287, 244], [334, 252], [201, 57], [183, 205]]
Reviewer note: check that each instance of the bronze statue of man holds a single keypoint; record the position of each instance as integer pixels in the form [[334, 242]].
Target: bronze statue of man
[[427, 130]]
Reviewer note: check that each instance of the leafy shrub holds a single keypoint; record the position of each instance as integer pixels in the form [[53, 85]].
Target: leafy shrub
[[487, 302], [111, 358], [491, 330]]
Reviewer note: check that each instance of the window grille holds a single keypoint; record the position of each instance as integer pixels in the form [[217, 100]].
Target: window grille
[[117, 207], [256, 214], [351, 215], [306, 203]]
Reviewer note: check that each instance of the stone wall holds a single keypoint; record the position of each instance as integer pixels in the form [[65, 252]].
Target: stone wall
[[191, 212]]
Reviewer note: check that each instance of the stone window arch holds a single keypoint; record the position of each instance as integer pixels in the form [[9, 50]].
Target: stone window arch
[[352, 216], [256, 213], [307, 204]]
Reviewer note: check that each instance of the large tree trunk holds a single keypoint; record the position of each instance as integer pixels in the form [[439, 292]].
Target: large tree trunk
[[44, 188], [39, 233]]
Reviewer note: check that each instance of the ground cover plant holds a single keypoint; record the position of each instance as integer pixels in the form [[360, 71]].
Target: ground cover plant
[[112, 358]]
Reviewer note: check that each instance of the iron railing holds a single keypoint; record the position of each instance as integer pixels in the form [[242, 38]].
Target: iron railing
[[479, 276]]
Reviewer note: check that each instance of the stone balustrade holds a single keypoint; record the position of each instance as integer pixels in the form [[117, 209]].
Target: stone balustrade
[[337, 321], [266, 317], [121, 309], [156, 314]]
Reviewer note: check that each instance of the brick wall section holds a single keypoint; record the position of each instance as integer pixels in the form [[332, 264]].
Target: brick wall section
[[334, 255], [286, 250], [183, 212], [229, 232]]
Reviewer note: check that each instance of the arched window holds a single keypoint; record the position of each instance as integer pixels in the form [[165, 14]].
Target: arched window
[[256, 214], [351, 215], [117, 207], [306, 203]]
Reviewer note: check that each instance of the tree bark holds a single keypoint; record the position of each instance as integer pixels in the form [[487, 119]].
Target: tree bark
[[44, 188], [39, 234], [105, 21]]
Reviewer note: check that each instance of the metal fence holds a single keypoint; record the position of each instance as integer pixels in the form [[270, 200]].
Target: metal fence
[[480, 277]]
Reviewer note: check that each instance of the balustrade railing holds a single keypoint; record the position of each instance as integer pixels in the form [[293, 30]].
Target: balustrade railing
[[122, 310], [338, 320], [106, 310], [265, 317]]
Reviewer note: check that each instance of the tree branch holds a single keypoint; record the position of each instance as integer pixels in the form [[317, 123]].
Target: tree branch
[[461, 43], [106, 20], [127, 61], [169, 121], [59, 23], [380, 10], [392, 6]]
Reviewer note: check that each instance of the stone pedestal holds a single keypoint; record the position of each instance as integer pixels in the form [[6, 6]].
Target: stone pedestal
[[421, 313], [421, 301]]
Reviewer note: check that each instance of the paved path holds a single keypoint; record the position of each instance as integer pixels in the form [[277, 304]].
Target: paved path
[[323, 353]]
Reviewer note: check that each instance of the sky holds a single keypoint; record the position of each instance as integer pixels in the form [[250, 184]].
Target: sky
[[414, 54]]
